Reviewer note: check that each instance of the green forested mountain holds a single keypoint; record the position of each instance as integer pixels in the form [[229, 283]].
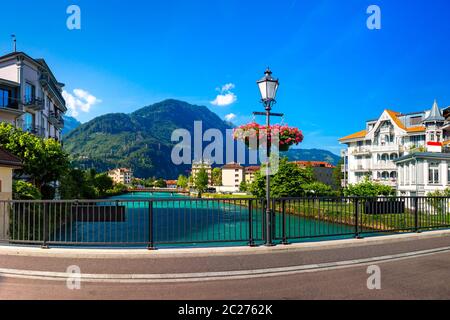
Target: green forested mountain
[[70, 123], [141, 140], [312, 155]]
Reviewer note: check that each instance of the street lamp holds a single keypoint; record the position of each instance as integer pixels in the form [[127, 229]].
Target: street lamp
[[268, 87]]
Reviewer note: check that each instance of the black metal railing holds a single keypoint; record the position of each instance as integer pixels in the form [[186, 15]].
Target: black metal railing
[[187, 221]]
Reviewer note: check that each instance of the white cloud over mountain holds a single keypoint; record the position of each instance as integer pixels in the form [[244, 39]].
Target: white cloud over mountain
[[80, 101]]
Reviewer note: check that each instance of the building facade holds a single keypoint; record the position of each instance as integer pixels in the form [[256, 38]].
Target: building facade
[[232, 176], [30, 96], [323, 171], [250, 173], [423, 172], [121, 175], [372, 152]]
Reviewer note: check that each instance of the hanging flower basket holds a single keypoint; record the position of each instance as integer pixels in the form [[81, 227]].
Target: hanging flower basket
[[254, 135]]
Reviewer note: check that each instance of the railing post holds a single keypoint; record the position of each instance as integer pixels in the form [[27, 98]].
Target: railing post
[[45, 225], [283, 217], [251, 241], [151, 244], [357, 236], [416, 214]]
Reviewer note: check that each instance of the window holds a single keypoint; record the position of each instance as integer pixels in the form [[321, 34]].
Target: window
[[433, 173], [30, 92], [29, 122], [4, 98]]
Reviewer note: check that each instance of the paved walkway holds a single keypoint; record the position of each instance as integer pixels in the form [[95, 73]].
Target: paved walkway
[[327, 273]]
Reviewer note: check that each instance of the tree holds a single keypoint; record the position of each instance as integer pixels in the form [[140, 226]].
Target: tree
[[103, 182], [368, 188], [287, 182], [25, 191], [243, 187], [216, 177], [182, 182], [76, 184], [160, 183], [201, 181], [44, 160]]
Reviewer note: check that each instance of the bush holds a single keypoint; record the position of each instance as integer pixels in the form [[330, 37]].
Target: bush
[[368, 189], [318, 189]]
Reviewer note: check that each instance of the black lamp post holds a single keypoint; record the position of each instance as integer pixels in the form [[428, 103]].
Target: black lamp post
[[268, 87]]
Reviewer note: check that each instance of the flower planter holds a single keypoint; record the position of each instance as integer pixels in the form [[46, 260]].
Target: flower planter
[[287, 136]]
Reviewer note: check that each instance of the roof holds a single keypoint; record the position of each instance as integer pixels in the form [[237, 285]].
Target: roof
[[232, 166], [316, 164], [424, 155], [435, 114], [9, 160], [357, 135], [171, 182], [252, 169], [394, 116]]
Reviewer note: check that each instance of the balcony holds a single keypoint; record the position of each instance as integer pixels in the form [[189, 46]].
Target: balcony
[[361, 151], [48, 84], [11, 106], [56, 119], [360, 168], [382, 165], [35, 104], [388, 148]]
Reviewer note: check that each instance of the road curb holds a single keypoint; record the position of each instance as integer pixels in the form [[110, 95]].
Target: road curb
[[82, 253]]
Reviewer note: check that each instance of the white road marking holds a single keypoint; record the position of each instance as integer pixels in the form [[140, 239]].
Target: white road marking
[[215, 276]]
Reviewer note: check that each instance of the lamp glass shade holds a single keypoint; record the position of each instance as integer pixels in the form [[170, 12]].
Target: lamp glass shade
[[268, 87]]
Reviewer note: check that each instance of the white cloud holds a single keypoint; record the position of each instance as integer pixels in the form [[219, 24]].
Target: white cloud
[[230, 117], [226, 97], [80, 100]]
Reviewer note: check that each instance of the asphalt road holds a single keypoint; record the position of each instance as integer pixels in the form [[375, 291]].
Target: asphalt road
[[423, 277]]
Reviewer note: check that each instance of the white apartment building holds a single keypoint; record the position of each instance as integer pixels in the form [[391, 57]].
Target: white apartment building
[[30, 96], [121, 175], [232, 176], [372, 151]]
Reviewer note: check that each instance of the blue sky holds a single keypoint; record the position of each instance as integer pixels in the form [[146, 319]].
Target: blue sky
[[335, 73]]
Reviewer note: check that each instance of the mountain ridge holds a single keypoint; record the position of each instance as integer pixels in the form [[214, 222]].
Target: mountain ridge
[[141, 139]]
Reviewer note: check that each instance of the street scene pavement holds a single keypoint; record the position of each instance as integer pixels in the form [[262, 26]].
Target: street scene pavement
[[413, 269]]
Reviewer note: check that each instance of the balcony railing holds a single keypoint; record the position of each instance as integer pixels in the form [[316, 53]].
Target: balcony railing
[[388, 148], [36, 104], [56, 119], [361, 151]]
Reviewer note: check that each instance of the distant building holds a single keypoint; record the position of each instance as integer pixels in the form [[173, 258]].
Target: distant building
[[232, 176], [171, 184], [121, 175], [30, 96], [323, 171], [198, 165], [250, 173]]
